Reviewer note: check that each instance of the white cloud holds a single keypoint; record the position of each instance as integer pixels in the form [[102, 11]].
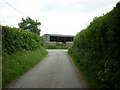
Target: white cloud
[[56, 16]]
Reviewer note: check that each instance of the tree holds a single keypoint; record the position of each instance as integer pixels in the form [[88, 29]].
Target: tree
[[30, 25]]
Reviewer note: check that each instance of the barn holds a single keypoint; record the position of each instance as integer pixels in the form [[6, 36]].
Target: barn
[[58, 38]]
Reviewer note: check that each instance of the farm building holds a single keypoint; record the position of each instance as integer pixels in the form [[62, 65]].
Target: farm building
[[58, 38]]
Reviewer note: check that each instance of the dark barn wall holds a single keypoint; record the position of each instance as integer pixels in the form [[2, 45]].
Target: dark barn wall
[[60, 39]]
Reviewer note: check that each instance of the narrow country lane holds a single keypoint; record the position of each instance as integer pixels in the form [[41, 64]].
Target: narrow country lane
[[54, 71]]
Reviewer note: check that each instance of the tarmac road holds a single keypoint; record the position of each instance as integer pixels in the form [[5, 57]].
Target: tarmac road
[[56, 70]]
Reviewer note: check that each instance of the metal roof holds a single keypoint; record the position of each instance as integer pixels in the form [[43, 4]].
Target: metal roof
[[60, 35]]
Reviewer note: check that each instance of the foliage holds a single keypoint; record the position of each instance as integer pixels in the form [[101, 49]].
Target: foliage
[[16, 39], [0, 57], [56, 47], [30, 25], [21, 50], [0, 40], [96, 50], [16, 64]]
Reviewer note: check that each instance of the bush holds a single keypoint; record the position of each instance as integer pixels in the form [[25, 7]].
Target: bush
[[96, 50], [21, 50], [16, 39]]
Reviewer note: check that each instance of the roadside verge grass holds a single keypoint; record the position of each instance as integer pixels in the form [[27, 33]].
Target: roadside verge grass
[[82, 72], [56, 47], [16, 64]]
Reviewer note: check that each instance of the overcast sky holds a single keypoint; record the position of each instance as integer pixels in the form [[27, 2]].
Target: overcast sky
[[56, 16]]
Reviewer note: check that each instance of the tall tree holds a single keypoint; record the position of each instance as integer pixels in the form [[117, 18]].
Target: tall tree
[[30, 25]]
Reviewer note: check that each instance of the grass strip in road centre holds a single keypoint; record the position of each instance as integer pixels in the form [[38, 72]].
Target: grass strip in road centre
[[16, 64]]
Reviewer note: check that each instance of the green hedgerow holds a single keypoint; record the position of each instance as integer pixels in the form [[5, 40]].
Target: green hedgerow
[[96, 50]]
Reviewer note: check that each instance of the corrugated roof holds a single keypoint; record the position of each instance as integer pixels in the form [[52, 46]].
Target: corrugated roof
[[60, 35]]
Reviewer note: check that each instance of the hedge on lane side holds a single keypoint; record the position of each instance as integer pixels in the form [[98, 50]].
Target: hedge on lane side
[[96, 50], [21, 50], [16, 39]]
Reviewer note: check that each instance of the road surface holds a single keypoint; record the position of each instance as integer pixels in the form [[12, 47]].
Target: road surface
[[54, 71]]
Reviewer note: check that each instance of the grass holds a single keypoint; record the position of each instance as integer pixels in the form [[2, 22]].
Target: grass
[[16, 64], [93, 70], [0, 73], [57, 47], [83, 72]]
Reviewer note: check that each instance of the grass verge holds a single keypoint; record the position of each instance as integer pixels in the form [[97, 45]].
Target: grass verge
[[57, 47], [87, 78], [16, 64]]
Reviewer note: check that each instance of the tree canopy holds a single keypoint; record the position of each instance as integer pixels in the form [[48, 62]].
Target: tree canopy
[[30, 25]]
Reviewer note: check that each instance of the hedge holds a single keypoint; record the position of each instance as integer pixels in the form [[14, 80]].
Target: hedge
[[16, 39], [96, 50], [21, 50]]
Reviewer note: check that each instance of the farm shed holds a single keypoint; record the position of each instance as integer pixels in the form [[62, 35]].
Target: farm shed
[[58, 38]]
